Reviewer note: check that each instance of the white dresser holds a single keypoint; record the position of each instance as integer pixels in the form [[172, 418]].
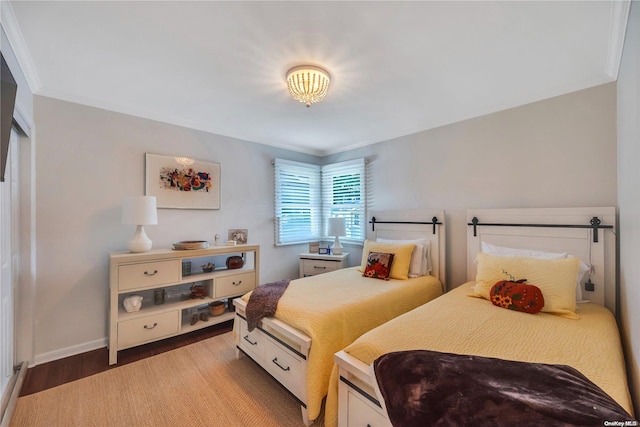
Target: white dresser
[[173, 273]]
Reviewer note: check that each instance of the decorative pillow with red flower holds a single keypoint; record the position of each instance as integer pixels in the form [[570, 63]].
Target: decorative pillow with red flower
[[517, 295], [378, 265]]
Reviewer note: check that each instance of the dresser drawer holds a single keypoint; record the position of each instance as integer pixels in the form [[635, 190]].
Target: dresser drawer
[[254, 342], [143, 329], [235, 285], [134, 276], [364, 413], [287, 368], [311, 267]]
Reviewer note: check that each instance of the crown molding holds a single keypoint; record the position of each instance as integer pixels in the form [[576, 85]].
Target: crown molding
[[617, 27], [16, 40]]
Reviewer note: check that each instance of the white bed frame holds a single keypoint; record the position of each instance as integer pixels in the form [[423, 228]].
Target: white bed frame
[[358, 402], [282, 350]]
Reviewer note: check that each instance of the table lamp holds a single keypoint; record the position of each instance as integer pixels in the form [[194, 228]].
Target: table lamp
[[139, 211], [337, 229]]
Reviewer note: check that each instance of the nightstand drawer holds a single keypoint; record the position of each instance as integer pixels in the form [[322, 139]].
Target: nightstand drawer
[[235, 285], [315, 266], [148, 328], [134, 276]]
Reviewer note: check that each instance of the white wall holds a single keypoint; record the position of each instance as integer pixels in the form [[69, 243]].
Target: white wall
[[560, 152], [87, 160], [629, 198]]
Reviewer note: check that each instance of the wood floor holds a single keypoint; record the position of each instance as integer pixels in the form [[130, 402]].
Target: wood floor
[[52, 374]]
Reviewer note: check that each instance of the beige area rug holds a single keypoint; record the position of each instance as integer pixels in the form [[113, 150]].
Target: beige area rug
[[202, 384]]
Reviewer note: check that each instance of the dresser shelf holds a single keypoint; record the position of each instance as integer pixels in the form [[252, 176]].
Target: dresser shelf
[[142, 273]]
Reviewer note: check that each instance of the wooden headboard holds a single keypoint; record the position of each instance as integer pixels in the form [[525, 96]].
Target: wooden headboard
[[413, 224], [587, 233]]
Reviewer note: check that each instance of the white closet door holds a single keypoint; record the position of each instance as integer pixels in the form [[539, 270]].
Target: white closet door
[[9, 229]]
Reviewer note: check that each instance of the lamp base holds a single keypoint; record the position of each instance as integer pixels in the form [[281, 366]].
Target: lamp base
[[140, 242], [336, 249]]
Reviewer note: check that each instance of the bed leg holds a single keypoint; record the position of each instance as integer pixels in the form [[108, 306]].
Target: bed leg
[[305, 417], [238, 353]]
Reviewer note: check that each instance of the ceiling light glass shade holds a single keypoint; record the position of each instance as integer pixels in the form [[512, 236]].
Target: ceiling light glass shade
[[308, 84]]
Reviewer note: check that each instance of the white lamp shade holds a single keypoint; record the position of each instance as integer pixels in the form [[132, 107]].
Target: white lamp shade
[[139, 210], [336, 227]]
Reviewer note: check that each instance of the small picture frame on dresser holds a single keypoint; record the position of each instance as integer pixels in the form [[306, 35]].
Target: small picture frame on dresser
[[238, 235], [323, 251]]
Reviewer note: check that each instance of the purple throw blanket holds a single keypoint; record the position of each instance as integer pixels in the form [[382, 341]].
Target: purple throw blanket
[[427, 388], [264, 301]]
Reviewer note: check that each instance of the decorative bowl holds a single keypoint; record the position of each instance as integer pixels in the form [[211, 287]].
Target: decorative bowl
[[208, 268], [216, 308], [186, 245]]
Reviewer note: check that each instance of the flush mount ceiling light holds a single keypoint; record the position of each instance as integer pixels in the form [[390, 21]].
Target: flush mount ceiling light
[[308, 84]]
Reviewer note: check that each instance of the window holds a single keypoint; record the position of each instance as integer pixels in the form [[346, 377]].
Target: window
[[306, 195], [343, 190], [297, 203]]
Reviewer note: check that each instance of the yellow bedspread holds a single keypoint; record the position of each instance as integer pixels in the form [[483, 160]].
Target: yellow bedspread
[[335, 308], [457, 323]]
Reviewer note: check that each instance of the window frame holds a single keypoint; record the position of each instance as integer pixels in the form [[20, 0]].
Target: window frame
[[290, 178], [320, 202], [335, 175]]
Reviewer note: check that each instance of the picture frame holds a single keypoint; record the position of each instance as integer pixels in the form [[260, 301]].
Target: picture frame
[[238, 235], [182, 182], [314, 247]]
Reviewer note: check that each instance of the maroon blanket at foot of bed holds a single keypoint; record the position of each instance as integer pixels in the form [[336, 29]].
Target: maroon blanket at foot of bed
[[264, 301], [427, 388]]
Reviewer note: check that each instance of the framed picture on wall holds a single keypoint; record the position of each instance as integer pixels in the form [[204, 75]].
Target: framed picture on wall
[[182, 182]]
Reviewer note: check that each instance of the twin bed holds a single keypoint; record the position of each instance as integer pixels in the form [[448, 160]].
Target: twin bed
[[320, 315], [326, 314], [461, 323]]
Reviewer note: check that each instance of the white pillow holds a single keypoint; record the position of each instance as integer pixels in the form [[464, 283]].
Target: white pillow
[[490, 249], [503, 251], [420, 257]]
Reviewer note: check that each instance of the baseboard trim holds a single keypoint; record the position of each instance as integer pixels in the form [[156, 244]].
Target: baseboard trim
[[69, 351]]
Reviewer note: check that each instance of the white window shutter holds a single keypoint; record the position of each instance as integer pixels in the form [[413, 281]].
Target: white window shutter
[[297, 202], [343, 195]]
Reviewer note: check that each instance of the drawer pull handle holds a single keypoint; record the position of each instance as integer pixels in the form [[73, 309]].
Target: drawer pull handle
[[236, 284], [146, 273], [319, 268], [246, 338], [154, 325], [275, 360]]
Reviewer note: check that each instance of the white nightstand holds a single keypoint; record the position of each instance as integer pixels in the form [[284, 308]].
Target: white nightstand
[[312, 264]]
